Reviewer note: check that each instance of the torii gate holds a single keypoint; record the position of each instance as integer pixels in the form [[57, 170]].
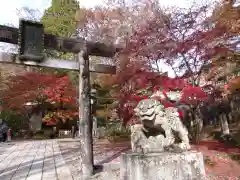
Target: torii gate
[[32, 41]]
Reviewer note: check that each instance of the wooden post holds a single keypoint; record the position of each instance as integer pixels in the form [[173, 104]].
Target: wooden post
[[85, 128]]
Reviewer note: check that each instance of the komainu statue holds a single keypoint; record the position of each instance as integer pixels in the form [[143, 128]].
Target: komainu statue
[[158, 128]]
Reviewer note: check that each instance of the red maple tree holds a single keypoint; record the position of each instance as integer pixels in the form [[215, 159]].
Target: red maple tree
[[41, 89], [182, 38], [193, 95]]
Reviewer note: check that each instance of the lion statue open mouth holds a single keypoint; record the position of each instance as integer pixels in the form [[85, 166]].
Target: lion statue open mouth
[[155, 131]]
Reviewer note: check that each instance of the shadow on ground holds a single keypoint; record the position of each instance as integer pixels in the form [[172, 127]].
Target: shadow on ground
[[105, 154], [23, 168]]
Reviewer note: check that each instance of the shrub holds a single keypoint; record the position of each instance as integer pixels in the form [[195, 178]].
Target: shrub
[[15, 121], [115, 131]]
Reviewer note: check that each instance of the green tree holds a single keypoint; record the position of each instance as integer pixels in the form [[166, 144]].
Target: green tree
[[59, 18]]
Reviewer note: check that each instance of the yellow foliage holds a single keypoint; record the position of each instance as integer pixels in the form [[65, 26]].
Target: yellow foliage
[[234, 84], [106, 80], [103, 113], [227, 14], [80, 15]]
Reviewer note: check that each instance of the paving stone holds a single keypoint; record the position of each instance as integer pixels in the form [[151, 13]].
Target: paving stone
[[33, 160], [11, 163], [25, 161]]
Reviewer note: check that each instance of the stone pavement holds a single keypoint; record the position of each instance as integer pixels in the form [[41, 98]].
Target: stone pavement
[[33, 160], [106, 155]]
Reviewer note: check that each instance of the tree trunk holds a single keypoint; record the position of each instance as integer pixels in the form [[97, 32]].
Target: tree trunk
[[224, 125], [85, 127]]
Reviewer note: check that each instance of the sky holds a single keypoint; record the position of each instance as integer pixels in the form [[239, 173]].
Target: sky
[[9, 11]]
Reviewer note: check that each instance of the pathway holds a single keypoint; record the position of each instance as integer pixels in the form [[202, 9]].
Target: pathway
[[106, 155], [33, 160]]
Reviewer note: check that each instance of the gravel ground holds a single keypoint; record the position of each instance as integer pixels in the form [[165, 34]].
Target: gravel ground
[[105, 154]]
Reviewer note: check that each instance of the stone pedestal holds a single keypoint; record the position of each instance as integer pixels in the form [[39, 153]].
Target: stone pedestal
[[163, 166]]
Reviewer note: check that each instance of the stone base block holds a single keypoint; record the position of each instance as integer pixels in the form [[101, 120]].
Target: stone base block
[[162, 166]]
